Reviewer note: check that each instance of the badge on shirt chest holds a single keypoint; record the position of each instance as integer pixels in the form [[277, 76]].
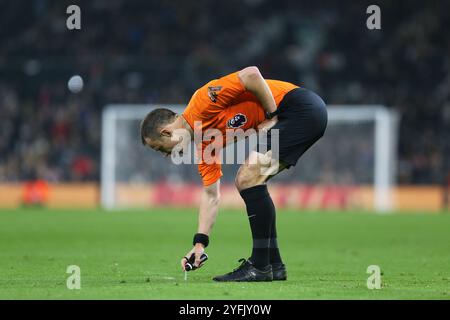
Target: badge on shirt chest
[[237, 121]]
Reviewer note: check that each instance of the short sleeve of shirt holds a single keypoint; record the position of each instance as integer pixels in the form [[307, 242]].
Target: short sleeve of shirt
[[213, 98], [210, 173], [224, 90]]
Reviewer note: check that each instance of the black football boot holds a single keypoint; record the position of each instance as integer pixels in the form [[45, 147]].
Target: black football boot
[[279, 272], [247, 272]]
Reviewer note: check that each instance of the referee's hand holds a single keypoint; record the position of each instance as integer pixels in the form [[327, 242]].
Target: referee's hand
[[198, 250], [267, 124]]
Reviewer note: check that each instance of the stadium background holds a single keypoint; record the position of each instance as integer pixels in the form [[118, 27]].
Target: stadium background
[[159, 52]]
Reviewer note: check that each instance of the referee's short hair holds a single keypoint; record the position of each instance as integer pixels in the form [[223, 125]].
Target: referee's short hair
[[154, 121]]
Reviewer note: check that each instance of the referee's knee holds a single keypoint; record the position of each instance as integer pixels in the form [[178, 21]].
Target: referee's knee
[[247, 177]]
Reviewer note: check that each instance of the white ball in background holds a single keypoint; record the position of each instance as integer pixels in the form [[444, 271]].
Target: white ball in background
[[75, 84]]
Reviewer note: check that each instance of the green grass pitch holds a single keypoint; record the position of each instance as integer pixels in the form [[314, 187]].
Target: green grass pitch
[[135, 255]]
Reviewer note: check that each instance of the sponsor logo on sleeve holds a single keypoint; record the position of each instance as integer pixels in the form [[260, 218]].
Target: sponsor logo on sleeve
[[213, 92]]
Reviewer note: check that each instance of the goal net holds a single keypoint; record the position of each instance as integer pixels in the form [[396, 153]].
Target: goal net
[[352, 167]]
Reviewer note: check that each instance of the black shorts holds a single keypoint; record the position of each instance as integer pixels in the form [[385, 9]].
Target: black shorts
[[302, 120]]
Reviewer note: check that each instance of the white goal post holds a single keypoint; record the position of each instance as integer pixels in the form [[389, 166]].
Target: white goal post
[[368, 135]]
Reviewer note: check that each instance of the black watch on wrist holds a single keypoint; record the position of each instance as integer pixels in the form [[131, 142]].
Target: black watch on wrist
[[270, 115]]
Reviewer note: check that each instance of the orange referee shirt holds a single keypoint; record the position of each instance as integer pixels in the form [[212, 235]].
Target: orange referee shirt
[[225, 104]]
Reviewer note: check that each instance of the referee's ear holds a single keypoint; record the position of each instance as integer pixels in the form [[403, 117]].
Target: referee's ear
[[165, 132]]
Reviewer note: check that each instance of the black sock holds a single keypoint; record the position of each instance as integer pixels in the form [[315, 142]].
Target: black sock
[[274, 252], [261, 215]]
